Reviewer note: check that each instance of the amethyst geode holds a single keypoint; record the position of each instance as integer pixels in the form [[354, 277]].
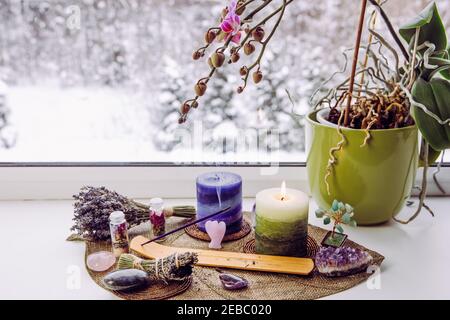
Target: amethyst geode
[[343, 261]]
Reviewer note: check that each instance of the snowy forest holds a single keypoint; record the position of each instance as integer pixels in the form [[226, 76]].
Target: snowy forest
[[103, 80]]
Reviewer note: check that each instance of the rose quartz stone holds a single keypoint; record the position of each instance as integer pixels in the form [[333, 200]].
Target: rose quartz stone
[[100, 261], [216, 231]]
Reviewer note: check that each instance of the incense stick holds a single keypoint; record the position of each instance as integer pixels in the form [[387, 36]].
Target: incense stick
[[186, 225]]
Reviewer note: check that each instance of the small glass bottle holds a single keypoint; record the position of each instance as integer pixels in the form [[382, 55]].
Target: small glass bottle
[[119, 233], [157, 219]]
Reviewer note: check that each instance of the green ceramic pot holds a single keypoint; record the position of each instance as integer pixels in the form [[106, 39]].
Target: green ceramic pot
[[376, 179]]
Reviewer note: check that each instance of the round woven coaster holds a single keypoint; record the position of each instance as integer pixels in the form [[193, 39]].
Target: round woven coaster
[[157, 291], [311, 247], [196, 233]]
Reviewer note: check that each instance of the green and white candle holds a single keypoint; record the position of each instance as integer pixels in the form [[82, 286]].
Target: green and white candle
[[281, 222]]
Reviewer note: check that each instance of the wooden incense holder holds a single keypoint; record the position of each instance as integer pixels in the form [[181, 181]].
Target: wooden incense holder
[[226, 259]]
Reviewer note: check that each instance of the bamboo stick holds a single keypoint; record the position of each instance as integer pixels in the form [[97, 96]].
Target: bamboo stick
[[362, 16]]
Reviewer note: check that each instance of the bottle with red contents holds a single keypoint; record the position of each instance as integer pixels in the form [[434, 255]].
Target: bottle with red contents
[[119, 233], [157, 219]]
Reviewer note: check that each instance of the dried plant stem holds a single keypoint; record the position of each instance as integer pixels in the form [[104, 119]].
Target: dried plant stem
[[391, 28], [423, 189], [355, 60], [435, 174], [332, 159], [367, 132]]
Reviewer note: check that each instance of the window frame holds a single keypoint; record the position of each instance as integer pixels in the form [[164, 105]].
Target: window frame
[[59, 181]]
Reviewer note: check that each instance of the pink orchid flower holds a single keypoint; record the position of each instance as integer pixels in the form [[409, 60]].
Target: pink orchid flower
[[231, 24]]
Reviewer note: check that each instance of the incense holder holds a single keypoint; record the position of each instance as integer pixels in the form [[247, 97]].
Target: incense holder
[[218, 190]]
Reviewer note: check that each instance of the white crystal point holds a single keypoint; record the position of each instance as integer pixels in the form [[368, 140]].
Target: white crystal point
[[216, 231], [100, 261]]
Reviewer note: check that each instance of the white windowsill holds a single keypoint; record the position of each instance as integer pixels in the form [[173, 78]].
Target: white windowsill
[[59, 183], [34, 233]]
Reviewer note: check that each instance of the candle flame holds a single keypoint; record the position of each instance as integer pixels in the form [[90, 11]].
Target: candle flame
[[283, 190]]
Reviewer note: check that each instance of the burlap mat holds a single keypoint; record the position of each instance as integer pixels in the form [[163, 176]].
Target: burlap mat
[[206, 283]]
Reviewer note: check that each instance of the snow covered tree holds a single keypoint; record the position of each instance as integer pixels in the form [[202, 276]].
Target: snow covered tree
[[7, 139], [220, 116], [164, 116]]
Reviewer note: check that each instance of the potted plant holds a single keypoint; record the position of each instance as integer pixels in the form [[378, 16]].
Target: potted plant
[[363, 145], [363, 136]]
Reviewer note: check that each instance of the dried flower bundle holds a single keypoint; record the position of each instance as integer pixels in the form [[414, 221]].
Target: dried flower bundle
[[175, 267], [93, 206]]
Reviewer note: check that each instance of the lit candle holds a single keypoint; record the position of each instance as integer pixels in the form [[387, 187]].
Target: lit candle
[[281, 222], [218, 190]]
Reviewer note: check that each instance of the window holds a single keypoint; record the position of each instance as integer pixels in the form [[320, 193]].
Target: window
[[102, 81]]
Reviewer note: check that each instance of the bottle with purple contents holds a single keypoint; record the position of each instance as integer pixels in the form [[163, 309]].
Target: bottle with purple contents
[[119, 233]]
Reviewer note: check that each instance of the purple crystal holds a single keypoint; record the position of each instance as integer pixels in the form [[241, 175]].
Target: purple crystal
[[335, 262], [232, 282]]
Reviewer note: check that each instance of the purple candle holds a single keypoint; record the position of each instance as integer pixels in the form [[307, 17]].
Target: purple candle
[[218, 190]]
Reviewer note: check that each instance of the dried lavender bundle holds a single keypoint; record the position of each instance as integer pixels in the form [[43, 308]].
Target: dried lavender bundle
[[175, 267], [93, 206]]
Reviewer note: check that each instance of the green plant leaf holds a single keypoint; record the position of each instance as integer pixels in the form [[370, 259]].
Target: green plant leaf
[[435, 96], [433, 155], [431, 28], [326, 220], [352, 223], [339, 228]]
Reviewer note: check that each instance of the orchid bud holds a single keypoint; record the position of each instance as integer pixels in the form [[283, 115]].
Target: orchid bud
[[181, 120], [194, 104], [185, 108], [200, 88], [235, 57], [210, 35], [247, 29], [240, 89], [243, 71], [217, 59], [257, 76], [249, 48], [258, 34], [224, 12], [210, 63], [196, 55]]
